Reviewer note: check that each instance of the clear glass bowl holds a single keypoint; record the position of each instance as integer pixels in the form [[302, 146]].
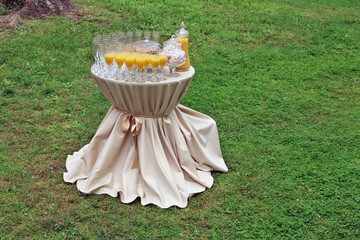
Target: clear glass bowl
[[175, 54], [146, 46]]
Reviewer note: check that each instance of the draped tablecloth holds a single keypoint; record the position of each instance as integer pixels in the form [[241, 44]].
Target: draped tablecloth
[[148, 145]]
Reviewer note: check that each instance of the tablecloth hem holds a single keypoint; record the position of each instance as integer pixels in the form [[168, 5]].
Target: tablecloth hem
[[176, 155]]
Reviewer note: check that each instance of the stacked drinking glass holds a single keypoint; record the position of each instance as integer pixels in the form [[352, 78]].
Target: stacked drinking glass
[[131, 57]]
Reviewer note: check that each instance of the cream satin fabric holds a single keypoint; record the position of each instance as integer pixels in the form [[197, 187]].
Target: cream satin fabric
[[176, 147]]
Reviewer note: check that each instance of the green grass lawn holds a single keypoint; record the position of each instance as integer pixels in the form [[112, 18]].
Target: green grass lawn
[[280, 77]]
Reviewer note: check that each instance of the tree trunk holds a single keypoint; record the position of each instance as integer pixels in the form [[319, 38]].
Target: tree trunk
[[36, 9]]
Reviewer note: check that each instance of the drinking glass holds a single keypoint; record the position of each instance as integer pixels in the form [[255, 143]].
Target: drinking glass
[[155, 62], [96, 48], [120, 35], [120, 59], [106, 39], [163, 60], [100, 59], [147, 35], [155, 36], [147, 65], [109, 59], [118, 42], [113, 39], [138, 35], [95, 45], [129, 62], [129, 40], [140, 64]]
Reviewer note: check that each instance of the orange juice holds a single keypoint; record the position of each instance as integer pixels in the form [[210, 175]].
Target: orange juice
[[185, 47], [147, 60], [163, 60], [109, 58], [129, 61], [155, 61], [140, 62], [119, 59]]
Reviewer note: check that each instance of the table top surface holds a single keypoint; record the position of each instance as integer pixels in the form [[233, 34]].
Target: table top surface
[[182, 76]]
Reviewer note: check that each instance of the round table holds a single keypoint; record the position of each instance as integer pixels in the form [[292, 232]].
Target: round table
[[148, 145]]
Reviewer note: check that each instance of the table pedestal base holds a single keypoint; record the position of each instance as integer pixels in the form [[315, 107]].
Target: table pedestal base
[[175, 156]]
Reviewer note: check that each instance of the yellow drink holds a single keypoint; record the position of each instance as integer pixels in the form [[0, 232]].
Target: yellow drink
[[109, 58], [140, 62], [163, 60], [147, 60], [129, 61], [185, 47], [120, 59], [155, 61]]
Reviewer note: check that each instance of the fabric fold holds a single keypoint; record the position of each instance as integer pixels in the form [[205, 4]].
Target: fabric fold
[[170, 161], [148, 146]]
